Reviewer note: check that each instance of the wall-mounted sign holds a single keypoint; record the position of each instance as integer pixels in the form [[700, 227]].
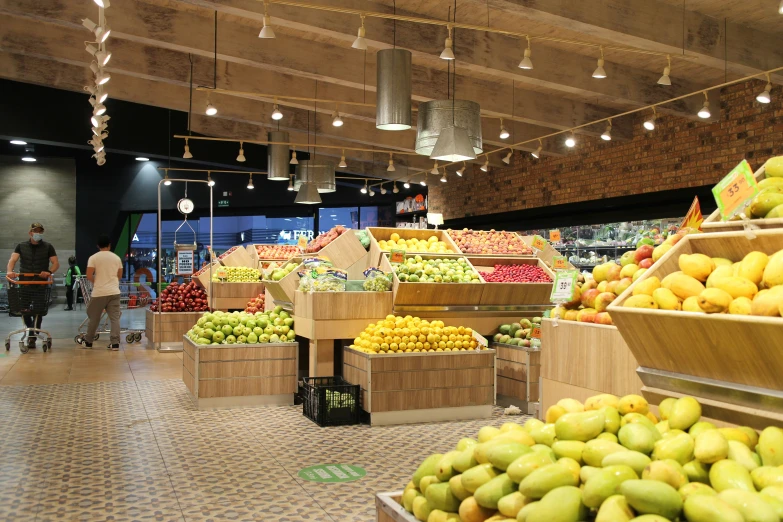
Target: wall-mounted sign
[[184, 262], [222, 203]]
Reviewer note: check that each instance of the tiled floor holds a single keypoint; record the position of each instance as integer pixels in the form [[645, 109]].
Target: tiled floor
[[95, 435]]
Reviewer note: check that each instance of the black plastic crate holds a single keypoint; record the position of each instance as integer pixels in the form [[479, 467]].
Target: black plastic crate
[[331, 401]]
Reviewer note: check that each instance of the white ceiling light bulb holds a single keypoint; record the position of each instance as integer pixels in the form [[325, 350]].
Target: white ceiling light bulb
[[94, 120], [211, 110], [293, 161], [607, 135], [423, 182], [101, 32], [485, 166], [704, 112], [461, 171], [599, 71], [570, 141], [537, 153], [507, 158], [364, 188], [187, 154], [250, 183], [443, 178], [28, 159], [210, 181], [372, 192], [665, 80], [241, 156], [101, 76], [342, 163], [526, 62], [504, 134], [780, 7], [765, 97], [267, 31], [102, 57], [97, 92], [383, 190], [102, 3], [391, 168], [448, 51], [360, 43], [434, 169], [290, 183], [337, 121], [407, 185], [395, 190], [166, 180], [99, 147], [18, 142], [276, 114], [142, 158], [649, 123]]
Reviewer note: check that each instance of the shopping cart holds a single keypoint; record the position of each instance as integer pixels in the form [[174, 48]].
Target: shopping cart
[[131, 296], [29, 297]]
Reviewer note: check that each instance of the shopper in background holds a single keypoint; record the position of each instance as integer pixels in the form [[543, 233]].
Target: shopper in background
[[70, 280], [104, 270], [35, 256]]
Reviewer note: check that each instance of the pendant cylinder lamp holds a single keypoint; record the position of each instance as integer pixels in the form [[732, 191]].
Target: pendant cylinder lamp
[[438, 115], [393, 97], [319, 175], [453, 145], [277, 157], [308, 195]]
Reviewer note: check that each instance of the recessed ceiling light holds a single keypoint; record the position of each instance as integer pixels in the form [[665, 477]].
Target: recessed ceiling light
[[28, 159], [142, 158], [18, 142]]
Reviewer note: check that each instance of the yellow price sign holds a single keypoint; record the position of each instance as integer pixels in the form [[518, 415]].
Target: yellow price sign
[[559, 263], [538, 243], [536, 333], [734, 191], [554, 236], [397, 256]]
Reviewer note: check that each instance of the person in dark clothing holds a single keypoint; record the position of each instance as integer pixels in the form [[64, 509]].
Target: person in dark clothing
[[35, 256], [70, 279]]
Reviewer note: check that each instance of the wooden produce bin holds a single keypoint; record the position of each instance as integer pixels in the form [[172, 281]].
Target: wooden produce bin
[[233, 296], [433, 294], [513, 293], [384, 233], [732, 359], [238, 257], [203, 279], [423, 387], [713, 222], [253, 253], [518, 239], [240, 375], [579, 360], [284, 289], [324, 317], [343, 252], [388, 508], [169, 327], [518, 374]]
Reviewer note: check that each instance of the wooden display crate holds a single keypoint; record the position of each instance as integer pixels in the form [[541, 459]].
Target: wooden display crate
[[508, 254], [516, 367], [713, 222], [240, 375], [423, 387], [238, 257], [204, 279], [384, 233], [284, 289], [731, 348], [388, 508], [319, 306], [233, 296], [343, 252], [253, 253], [513, 293], [579, 360], [432, 294], [168, 327]]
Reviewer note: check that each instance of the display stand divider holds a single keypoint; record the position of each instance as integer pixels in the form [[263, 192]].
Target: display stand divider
[[384, 233], [234, 296], [343, 252], [168, 327], [205, 278], [238, 257], [518, 374], [284, 289], [433, 294]]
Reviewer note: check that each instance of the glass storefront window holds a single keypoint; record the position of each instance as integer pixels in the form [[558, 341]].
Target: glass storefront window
[[331, 217]]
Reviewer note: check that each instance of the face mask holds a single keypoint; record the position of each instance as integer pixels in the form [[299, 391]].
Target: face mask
[[37, 237]]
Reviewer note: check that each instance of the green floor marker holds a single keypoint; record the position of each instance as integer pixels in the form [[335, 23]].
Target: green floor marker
[[332, 473]]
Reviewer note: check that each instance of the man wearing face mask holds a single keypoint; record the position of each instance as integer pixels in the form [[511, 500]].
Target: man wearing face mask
[[35, 256]]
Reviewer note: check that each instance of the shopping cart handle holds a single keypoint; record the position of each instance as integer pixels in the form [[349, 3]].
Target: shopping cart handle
[[49, 281]]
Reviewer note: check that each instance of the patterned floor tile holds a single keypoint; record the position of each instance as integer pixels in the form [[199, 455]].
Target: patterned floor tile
[[287, 508], [195, 489]]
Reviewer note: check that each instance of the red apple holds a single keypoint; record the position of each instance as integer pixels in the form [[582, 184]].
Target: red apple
[[603, 318], [603, 300], [643, 252], [623, 285], [646, 263], [571, 315], [613, 272], [586, 315], [588, 298]]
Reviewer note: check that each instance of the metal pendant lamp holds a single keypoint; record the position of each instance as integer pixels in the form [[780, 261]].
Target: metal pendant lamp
[[277, 156], [320, 175], [393, 97], [308, 195], [453, 145]]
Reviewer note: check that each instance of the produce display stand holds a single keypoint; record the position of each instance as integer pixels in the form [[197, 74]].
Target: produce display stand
[[284, 289], [324, 317], [579, 360], [168, 327], [423, 387], [713, 222], [344, 251], [233, 296], [732, 363], [518, 375], [383, 233], [257, 261], [388, 508], [204, 278], [240, 375], [238, 257], [512, 293], [433, 294]]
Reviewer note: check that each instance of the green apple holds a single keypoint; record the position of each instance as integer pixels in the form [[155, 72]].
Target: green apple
[[217, 337], [237, 331], [258, 331], [227, 330], [252, 338], [230, 339]]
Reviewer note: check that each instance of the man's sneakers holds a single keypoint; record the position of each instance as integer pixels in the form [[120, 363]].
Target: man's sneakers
[[31, 342], [113, 347], [87, 345]]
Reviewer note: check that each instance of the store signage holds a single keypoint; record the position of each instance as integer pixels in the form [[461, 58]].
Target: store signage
[[734, 192], [222, 203], [564, 286], [538, 242], [332, 473], [397, 256], [222, 273], [536, 333], [559, 263], [554, 236], [135, 237], [184, 262]]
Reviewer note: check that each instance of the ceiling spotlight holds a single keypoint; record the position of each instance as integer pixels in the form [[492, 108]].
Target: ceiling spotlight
[[406, 185], [166, 180], [383, 190], [102, 3], [250, 183], [485, 166], [665, 80], [537, 153], [142, 158], [461, 171], [391, 168], [101, 76], [423, 182], [100, 160], [649, 123], [780, 7], [97, 108], [28, 159], [98, 131], [211, 110], [599, 71], [97, 92], [364, 188], [293, 161], [504, 134], [570, 141], [372, 192], [241, 156], [607, 135], [290, 183], [337, 121], [95, 120], [764, 97], [443, 178], [267, 31], [507, 158], [101, 32], [448, 51], [342, 163], [526, 62], [434, 169], [704, 112], [395, 189], [102, 57], [99, 147], [210, 181], [18, 142], [187, 154], [360, 43], [276, 114]]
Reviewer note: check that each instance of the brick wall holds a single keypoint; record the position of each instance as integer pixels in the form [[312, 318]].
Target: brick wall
[[678, 154]]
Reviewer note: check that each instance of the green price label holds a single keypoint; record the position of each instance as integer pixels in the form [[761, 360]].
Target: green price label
[[734, 192], [564, 286], [332, 473]]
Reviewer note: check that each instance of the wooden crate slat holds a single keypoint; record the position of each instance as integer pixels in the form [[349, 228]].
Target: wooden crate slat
[[432, 398], [513, 293], [433, 361], [240, 387], [245, 290], [190, 381], [355, 375], [427, 379], [344, 251], [169, 326], [514, 388], [713, 222], [284, 289], [371, 306], [238, 257], [249, 353], [384, 233], [255, 368], [189, 363], [518, 371]]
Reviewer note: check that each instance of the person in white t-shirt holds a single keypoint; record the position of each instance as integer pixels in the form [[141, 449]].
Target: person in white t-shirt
[[104, 270]]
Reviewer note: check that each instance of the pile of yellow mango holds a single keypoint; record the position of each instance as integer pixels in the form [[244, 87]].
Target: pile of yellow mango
[[713, 285], [609, 460]]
